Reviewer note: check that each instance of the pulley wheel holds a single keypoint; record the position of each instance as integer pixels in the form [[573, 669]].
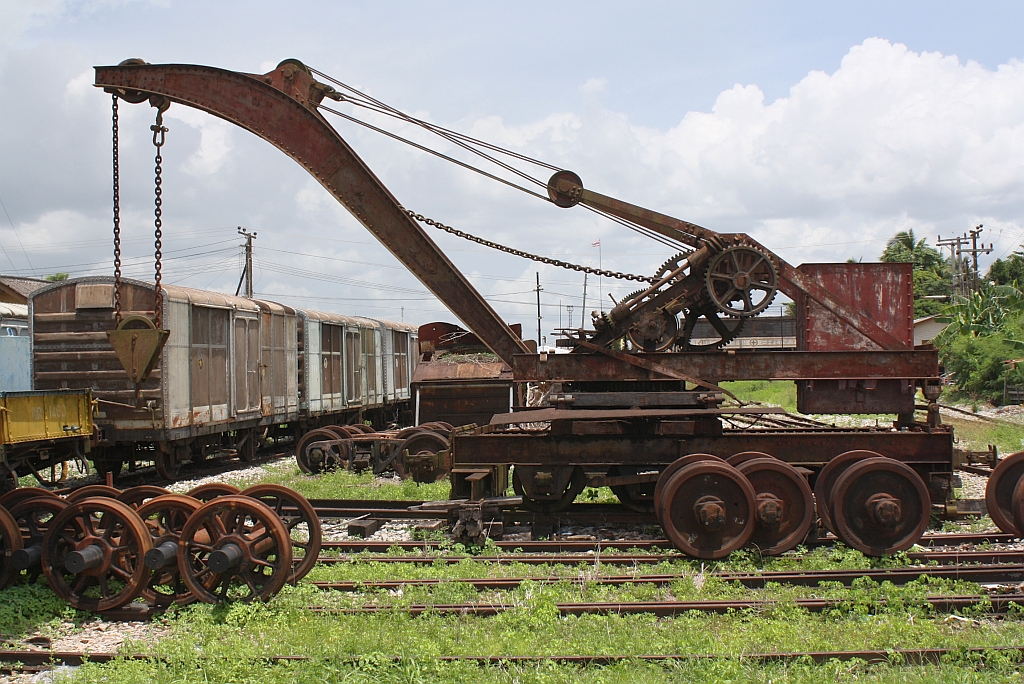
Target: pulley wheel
[[90, 491], [136, 496], [999, 492], [785, 505], [880, 506], [707, 509], [234, 548], [299, 518], [33, 517], [635, 497], [555, 503], [164, 517], [314, 464], [827, 480], [10, 541], [655, 331], [671, 470], [423, 443], [93, 554], [211, 490], [736, 460], [16, 496]]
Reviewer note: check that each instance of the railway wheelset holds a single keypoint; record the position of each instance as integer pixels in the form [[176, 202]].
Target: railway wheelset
[[418, 453], [101, 548], [710, 507]]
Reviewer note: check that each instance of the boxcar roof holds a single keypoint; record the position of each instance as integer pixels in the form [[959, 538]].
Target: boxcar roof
[[339, 319]]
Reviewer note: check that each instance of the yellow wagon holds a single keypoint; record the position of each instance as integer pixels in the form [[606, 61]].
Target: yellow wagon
[[41, 430]]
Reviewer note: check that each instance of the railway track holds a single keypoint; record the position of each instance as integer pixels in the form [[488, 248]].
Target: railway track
[[994, 605], [29, 661], [981, 574]]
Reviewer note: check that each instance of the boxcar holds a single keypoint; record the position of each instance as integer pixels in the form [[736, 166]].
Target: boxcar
[[232, 372]]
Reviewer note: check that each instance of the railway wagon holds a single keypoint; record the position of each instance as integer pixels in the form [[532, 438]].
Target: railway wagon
[[354, 369], [232, 372]]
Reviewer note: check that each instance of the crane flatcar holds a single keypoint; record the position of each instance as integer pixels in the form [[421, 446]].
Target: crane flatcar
[[233, 371]]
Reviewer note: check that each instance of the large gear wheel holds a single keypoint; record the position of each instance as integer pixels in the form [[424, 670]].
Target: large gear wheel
[[724, 329], [741, 281]]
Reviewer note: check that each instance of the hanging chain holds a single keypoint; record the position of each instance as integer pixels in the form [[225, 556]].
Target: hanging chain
[[117, 221], [526, 255], [158, 141]]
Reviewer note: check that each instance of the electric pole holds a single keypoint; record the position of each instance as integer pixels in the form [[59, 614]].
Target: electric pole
[[538, 310], [247, 271]]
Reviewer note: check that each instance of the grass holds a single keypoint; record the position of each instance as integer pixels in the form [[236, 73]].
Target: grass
[[344, 484], [231, 643]]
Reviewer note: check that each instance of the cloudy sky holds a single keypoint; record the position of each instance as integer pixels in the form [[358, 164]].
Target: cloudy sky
[[820, 130]]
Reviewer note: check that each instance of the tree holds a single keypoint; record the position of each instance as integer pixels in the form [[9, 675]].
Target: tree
[[1009, 271], [56, 277], [905, 247], [931, 272]]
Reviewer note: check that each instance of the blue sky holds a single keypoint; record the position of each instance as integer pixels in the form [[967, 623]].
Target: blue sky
[[821, 129]]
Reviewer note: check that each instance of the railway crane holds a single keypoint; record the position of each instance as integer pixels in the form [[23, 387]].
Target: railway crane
[[636, 405]]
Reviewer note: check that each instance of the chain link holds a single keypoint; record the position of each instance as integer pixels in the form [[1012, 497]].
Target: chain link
[[158, 141], [526, 255], [117, 219]]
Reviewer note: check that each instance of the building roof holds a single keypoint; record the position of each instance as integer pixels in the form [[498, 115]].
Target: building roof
[[23, 286]]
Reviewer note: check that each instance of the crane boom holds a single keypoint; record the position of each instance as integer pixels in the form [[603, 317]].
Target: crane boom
[[280, 107]]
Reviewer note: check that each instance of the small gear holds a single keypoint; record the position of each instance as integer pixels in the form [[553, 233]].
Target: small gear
[[670, 265]]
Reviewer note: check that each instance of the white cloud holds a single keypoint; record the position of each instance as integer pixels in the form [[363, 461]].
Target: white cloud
[[214, 140], [593, 86]]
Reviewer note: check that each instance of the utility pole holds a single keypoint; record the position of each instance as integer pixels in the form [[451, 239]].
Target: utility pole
[[538, 310], [569, 308], [247, 271], [965, 278], [583, 309], [975, 251]]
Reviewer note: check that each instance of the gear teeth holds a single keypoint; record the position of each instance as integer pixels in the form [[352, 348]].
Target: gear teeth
[[670, 265]]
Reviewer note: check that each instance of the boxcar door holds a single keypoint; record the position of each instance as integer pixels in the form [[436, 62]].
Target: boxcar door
[[247, 364]]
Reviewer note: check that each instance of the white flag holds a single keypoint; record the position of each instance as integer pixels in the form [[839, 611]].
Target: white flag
[[596, 243]]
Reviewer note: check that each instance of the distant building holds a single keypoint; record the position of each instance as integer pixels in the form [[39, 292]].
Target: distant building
[[927, 329], [15, 289]]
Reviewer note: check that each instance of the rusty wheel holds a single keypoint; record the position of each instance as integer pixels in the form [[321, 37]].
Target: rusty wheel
[[560, 498], [164, 517], [90, 491], [671, 470], [1018, 505], [316, 461], [234, 548], [363, 428], [880, 506], [167, 465], [999, 491], [707, 509], [211, 490], [826, 482], [93, 554], [785, 505], [33, 517], [425, 462], [736, 460], [10, 541], [635, 497], [136, 496], [16, 496], [299, 518]]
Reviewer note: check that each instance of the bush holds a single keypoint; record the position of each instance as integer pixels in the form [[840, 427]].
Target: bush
[[976, 364]]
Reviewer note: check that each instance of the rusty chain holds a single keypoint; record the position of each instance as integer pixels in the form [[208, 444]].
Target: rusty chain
[[159, 130], [526, 255], [117, 220]]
